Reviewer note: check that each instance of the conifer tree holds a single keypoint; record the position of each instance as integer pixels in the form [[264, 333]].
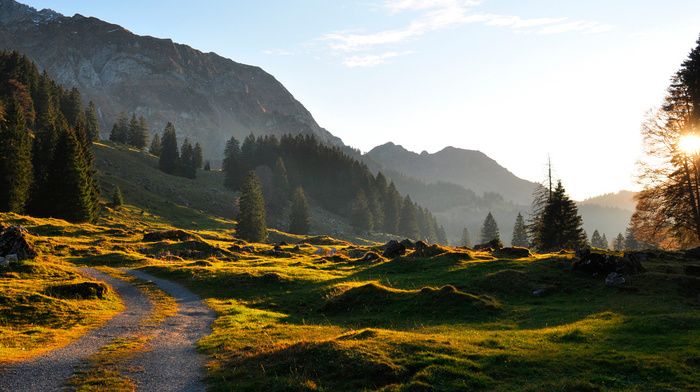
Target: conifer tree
[[207, 165], [597, 240], [279, 192], [489, 230], [442, 236], [232, 165], [197, 156], [299, 218], [251, 225], [619, 243], [16, 162], [631, 242], [519, 232], [92, 125], [72, 108], [187, 160], [408, 224], [604, 242], [361, 217], [117, 199], [169, 161], [392, 209], [466, 239], [120, 129], [156, 148], [560, 225], [137, 133]]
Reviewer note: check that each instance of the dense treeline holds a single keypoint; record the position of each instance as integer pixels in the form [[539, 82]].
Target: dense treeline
[[338, 182], [45, 142]]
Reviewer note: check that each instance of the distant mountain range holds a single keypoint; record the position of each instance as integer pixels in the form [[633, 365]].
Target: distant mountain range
[[210, 98]]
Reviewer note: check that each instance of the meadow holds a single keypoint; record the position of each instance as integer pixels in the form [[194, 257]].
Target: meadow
[[319, 314]]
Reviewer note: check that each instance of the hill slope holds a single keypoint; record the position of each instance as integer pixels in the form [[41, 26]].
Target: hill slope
[[207, 97]]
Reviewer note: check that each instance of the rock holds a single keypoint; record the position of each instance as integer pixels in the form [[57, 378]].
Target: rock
[[11, 258], [174, 235], [614, 279], [235, 248], [596, 264], [283, 243], [394, 249], [692, 270], [514, 252], [4, 263], [539, 293], [420, 245], [218, 254], [494, 244], [12, 242], [407, 243]]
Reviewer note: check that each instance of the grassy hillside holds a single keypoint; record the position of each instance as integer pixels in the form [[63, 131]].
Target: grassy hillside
[[442, 319]]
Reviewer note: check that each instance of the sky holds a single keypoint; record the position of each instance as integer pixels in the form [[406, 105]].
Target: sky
[[522, 81]]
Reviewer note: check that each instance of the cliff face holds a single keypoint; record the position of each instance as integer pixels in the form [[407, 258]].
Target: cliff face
[[207, 97]]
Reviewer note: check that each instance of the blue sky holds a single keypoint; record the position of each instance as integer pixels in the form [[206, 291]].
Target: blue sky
[[518, 80]]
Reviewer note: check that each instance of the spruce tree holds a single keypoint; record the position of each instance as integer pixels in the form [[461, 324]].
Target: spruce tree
[[619, 243], [442, 236], [137, 133], [299, 218], [605, 244], [16, 162], [361, 217], [489, 230], [631, 242], [169, 161], [197, 156], [92, 125], [408, 224], [187, 160], [597, 240], [251, 225], [279, 192], [156, 148], [519, 232], [392, 209], [232, 165], [117, 199], [120, 129], [466, 239], [560, 224]]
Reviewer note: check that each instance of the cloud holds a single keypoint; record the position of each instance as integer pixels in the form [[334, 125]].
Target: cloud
[[417, 5], [586, 27], [370, 60]]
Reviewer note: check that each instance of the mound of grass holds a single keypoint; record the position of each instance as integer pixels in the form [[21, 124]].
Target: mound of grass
[[323, 240], [429, 251], [375, 299]]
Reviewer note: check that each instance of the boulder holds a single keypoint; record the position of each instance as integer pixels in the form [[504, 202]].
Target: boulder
[[12, 242], [494, 244], [614, 279], [3, 262], [407, 243], [394, 249], [596, 264], [420, 245]]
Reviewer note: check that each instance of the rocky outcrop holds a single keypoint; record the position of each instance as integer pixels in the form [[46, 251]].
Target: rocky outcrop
[[207, 97]]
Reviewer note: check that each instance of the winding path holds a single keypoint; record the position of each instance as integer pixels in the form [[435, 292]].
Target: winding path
[[171, 364]]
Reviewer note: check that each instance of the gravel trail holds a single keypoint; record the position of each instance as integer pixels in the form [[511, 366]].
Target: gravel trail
[[49, 371], [169, 364]]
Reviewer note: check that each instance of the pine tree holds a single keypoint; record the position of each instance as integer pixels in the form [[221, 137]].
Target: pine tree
[[604, 242], [466, 239], [137, 133], [187, 160], [489, 230], [408, 224], [232, 165], [631, 242], [117, 199], [72, 108], [251, 225], [207, 165], [560, 225], [120, 129], [361, 216], [597, 240], [156, 148], [442, 236], [92, 124], [169, 161], [299, 218], [279, 192], [197, 156], [16, 162], [392, 209], [519, 232], [619, 243]]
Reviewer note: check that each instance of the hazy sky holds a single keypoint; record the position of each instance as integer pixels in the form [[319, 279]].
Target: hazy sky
[[518, 80]]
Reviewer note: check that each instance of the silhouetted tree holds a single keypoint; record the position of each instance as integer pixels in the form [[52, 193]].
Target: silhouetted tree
[[604, 241], [519, 232], [16, 161], [597, 241], [408, 224], [197, 156], [466, 239], [299, 218], [187, 165], [232, 165], [169, 161], [361, 217], [560, 225], [619, 243], [120, 129], [92, 124], [251, 225], [489, 230], [631, 242], [156, 148], [117, 199]]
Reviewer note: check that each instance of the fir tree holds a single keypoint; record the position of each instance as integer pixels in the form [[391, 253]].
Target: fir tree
[[187, 160], [156, 148], [197, 156], [207, 165], [442, 236], [489, 230], [299, 218], [120, 129], [631, 242], [169, 161], [137, 133], [251, 225], [16, 162], [560, 225], [408, 224], [392, 209], [117, 199], [604, 242], [92, 124], [519, 232], [279, 191], [619, 243], [232, 165], [361, 217], [597, 240], [466, 239]]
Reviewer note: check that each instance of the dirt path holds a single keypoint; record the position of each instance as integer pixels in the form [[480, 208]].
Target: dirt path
[[171, 354]]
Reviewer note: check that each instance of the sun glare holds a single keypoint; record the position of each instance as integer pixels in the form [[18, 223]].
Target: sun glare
[[689, 144]]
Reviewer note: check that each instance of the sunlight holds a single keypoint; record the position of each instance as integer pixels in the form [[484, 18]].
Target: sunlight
[[689, 144]]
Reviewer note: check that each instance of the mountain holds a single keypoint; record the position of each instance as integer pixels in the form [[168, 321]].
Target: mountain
[[623, 200], [471, 169], [207, 97]]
